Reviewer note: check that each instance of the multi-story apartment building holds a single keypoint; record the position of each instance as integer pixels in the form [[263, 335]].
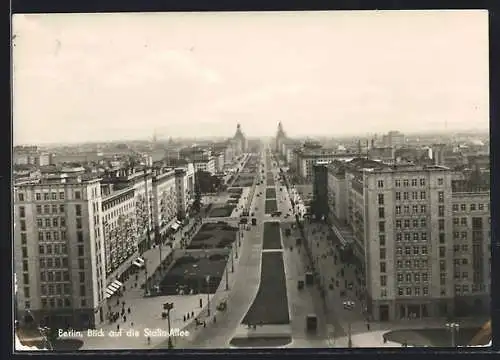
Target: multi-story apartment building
[[219, 162], [77, 238], [413, 233], [165, 200], [59, 250], [207, 165]]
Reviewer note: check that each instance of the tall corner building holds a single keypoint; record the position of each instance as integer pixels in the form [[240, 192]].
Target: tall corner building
[[76, 238], [420, 236]]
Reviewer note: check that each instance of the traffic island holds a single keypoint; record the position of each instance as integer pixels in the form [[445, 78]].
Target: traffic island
[[270, 193], [271, 206], [213, 236], [433, 337], [270, 306], [221, 211], [272, 236]]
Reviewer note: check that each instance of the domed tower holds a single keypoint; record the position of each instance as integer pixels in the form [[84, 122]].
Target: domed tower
[[240, 140], [280, 136]]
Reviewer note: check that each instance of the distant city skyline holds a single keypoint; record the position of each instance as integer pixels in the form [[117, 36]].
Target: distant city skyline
[[106, 77]]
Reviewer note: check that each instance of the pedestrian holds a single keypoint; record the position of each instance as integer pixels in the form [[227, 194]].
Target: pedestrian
[[149, 340], [128, 310], [132, 324], [124, 318], [118, 327], [187, 316], [192, 313], [204, 324], [184, 318], [368, 326]]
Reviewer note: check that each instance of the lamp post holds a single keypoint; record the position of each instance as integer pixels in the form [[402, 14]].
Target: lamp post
[[236, 246], [207, 279], [349, 305], [168, 307], [42, 330], [227, 276], [454, 328], [232, 260], [146, 276]]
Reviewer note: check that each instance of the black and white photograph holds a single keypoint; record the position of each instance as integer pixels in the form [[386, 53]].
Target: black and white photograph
[[251, 180]]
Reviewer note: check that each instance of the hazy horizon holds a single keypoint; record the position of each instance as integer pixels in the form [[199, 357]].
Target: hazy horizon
[[105, 77]]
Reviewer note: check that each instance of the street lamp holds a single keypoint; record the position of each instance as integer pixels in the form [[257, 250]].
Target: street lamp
[[232, 260], [227, 274], [349, 305], [42, 330], [207, 279], [453, 327]]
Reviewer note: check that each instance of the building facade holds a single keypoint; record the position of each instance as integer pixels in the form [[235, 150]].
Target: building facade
[[77, 237], [413, 234]]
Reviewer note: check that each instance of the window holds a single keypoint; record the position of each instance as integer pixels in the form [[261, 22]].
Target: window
[[24, 238], [414, 195], [55, 222], [41, 249], [400, 277], [22, 225], [381, 226], [61, 195], [441, 210], [442, 238], [424, 250], [380, 183], [406, 209], [399, 237], [456, 221], [463, 207], [416, 277], [38, 196], [472, 207], [415, 236], [463, 235], [425, 290], [398, 210], [39, 209], [397, 183], [441, 196], [78, 195], [463, 221], [78, 210], [423, 222], [441, 224], [81, 264], [422, 182], [78, 223], [383, 292], [398, 224], [407, 250], [25, 252], [415, 223], [422, 195], [465, 275], [423, 209], [381, 199], [82, 276], [442, 251], [382, 267], [414, 209], [442, 265], [382, 254], [82, 290], [415, 250], [20, 196], [406, 182], [407, 236], [455, 207], [407, 223], [47, 223], [480, 207], [398, 195], [381, 213], [425, 277], [80, 250], [25, 265], [400, 291], [53, 196], [46, 196], [464, 261], [22, 212], [61, 208], [62, 222], [399, 264], [48, 236], [383, 280], [417, 291], [381, 239], [408, 277], [440, 181], [408, 291], [405, 196], [413, 182], [399, 250]]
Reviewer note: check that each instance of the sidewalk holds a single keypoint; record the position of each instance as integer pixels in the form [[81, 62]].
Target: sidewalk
[[145, 312]]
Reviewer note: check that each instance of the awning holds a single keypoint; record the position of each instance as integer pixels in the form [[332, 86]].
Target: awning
[[112, 288], [175, 226]]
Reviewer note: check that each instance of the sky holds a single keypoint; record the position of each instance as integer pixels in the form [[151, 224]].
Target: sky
[[103, 77]]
